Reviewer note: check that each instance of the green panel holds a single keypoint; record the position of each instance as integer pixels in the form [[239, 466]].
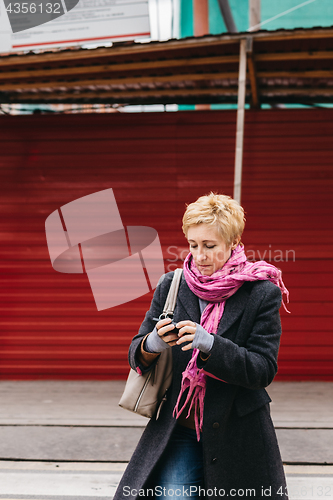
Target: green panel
[[223, 106], [317, 13], [186, 18], [186, 107], [216, 23], [186, 29], [240, 11]]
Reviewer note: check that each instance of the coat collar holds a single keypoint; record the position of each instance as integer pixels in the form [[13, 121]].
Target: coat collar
[[234, 306]]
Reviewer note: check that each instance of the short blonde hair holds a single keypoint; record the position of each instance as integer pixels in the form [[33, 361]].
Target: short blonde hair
[[216, 209]]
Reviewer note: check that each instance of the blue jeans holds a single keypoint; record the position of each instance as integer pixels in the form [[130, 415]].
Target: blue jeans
[[179, 472]]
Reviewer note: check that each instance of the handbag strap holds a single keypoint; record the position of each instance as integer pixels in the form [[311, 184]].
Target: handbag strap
[[170, 302]]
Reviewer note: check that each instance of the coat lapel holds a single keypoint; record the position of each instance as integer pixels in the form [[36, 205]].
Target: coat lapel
[[189, 301], [234, 307]]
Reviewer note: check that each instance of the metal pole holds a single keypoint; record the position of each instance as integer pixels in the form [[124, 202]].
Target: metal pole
[[254, 17], [240, 121], [227, 16]]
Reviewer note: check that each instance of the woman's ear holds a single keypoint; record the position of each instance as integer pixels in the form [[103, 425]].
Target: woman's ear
[[235, 243]]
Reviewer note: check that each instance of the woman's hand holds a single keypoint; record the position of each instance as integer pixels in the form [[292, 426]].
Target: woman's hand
[[196, 334], [158, 340], [163, 327], [186, 333]]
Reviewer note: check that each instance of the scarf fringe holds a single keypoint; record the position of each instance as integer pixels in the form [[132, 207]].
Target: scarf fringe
[[196, 385]]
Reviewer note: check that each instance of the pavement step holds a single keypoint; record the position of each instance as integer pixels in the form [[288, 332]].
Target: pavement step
[[55, 402], [98, 481], [52, 481], [306, 445], [116, 444], [111, 444]]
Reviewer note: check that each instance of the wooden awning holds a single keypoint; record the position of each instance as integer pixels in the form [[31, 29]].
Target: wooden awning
[[292, 66]]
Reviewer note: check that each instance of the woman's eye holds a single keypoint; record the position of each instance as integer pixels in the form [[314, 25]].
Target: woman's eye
[[193, 246], [210, 247]]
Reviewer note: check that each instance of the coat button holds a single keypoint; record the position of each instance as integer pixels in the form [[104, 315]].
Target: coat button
[[216, 425], [214, 460]]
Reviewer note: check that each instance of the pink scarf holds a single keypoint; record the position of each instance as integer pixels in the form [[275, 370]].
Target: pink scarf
[[216, 289]]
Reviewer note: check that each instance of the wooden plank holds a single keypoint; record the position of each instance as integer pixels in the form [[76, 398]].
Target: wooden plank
[[99, 69], [118, 95], [255, 103], [296, 34], [294, 56], [207, 42], [295, 74], [120, 81], [298, 91], [184, 77], [139, 50]]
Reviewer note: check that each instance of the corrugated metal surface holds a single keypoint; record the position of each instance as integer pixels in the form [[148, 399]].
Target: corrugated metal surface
[[155, 163], [288, 65]]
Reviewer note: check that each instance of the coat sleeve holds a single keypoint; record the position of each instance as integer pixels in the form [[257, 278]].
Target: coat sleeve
[[148, 324], [254, 365]]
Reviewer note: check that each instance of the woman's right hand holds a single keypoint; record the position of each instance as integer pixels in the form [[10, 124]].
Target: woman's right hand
[[163, 327], [160, 338]]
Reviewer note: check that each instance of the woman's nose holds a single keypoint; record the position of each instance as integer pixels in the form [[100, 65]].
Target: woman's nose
[[202, 254]]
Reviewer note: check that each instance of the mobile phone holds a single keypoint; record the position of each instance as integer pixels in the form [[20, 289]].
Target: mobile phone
[[175, 330]]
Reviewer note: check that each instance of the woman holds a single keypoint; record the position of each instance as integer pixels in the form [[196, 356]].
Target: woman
[[214, 436]]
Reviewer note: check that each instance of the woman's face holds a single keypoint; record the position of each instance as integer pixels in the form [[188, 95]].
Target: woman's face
[[207, 247]]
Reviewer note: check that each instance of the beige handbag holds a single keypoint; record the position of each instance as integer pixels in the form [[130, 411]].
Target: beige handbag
[[145, 394]]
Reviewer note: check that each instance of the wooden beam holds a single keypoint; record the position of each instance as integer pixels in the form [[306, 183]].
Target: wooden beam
[[98, 70], [157, 64], [150, 94], [143, 80], [295, 56], [255, 103], [136, 94], [151, 80], [232, 91], [153, 47], [296, 74], [135, 50], [118, 81], [297, 34], [115, 68], [240, 122], [291, 91], [228, 59]]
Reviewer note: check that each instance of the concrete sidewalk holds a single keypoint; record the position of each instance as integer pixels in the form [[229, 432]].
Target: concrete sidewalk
[[81, 421]]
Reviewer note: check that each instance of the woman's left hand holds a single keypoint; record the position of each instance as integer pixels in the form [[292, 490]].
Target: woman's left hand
[[186, 333]]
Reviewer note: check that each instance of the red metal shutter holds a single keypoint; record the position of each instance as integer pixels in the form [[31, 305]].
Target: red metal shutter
[[155, 163]]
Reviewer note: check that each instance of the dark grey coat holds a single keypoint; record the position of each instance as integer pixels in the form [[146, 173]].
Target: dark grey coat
[[239, 442]]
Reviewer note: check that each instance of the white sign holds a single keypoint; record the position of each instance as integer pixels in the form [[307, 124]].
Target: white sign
[[90, 21]]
